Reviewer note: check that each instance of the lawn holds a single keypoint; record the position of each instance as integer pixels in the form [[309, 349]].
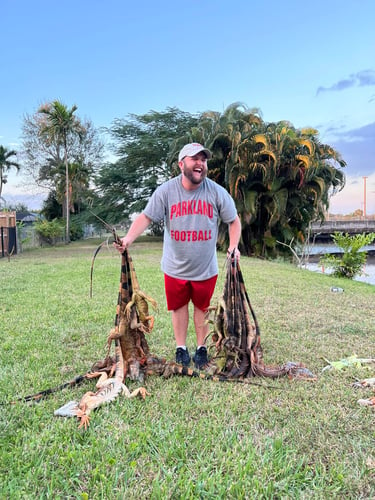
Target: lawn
[[190, 438]]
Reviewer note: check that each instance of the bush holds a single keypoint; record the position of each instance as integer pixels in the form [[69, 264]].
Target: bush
[[351, 262], [50, 232], [76, 229]]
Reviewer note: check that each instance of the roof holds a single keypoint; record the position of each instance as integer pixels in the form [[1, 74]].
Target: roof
[[26, 217]]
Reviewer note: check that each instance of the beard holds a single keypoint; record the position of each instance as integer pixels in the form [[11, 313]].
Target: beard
[[194, 175]]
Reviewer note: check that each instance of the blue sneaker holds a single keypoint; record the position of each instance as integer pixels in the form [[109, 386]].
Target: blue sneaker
[[200, 357], [182, 356]]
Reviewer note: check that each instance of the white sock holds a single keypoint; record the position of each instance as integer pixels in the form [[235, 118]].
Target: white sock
[[181, 347]]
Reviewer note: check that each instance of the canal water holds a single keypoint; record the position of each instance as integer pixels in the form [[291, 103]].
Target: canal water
[[316, 251]]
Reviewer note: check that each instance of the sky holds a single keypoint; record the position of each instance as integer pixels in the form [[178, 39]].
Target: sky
[[311, 63]]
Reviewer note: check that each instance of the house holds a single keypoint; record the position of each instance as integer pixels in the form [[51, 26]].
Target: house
[[26, 218]]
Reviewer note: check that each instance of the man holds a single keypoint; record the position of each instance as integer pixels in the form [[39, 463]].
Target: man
[[191, 206]]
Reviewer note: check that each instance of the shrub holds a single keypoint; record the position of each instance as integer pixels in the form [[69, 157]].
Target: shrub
[[351, 262], [49, 231], [76, 229]]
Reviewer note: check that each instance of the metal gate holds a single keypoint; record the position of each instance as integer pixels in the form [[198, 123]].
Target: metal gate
[[8, 234]]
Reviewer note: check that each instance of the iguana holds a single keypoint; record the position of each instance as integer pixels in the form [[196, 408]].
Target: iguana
[[132, 319], [108, 390], [167, 369], [365, 383], [137, 308], [132, 338]]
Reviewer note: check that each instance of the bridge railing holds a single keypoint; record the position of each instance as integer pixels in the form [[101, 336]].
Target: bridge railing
[[344, 226]]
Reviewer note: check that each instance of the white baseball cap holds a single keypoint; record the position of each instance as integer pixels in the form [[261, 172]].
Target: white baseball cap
[[193, 149]]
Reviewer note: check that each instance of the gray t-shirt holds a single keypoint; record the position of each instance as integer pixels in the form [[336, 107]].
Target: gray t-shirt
[[191, 222]]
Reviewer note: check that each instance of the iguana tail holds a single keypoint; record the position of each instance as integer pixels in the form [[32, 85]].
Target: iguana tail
[[42, 394], [164, 368], [184, 371]]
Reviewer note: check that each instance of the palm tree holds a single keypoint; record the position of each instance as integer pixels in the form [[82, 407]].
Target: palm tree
[[278, 176], [59, 125], [6, 163], [289, 176]]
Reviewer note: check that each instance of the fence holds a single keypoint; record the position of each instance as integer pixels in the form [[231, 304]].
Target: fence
[[8, 234], [27, 238], [14, 239]]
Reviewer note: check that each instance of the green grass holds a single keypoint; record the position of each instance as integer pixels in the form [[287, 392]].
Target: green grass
[[191, 438]]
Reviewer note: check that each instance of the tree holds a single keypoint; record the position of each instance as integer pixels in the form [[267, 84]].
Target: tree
[[280, 177], [358, 213], [289, 178], [61, 154], [18, 207], [51, 208], [59, 125], [142, 144], [6, 163]]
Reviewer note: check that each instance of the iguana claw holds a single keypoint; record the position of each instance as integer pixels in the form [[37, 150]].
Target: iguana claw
[[143, 392], [85, 421]]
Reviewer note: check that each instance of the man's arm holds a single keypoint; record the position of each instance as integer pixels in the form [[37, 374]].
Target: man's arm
[[234, 229], [137, 227]]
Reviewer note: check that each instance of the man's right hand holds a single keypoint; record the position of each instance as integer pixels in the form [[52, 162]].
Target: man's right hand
[[124, 244], [139, 225]]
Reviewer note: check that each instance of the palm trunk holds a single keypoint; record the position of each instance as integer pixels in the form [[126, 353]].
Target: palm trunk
[[67, 231]]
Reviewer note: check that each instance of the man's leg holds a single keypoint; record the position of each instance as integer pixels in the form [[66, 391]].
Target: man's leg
[[202, 292], [180, 321], [201, 329], [201, 325]]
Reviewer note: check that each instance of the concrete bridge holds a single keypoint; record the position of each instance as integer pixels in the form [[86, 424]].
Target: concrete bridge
[[350, 226]]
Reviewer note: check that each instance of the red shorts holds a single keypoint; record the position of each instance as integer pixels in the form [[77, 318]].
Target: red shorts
[[180, 292]]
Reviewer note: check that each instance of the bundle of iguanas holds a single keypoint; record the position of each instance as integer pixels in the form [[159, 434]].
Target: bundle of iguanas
[[236, 353], [236, 334]]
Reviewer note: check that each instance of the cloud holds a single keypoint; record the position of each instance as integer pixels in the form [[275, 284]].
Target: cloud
[[356, 146], [364, 78], [360, 135], [333, 130]]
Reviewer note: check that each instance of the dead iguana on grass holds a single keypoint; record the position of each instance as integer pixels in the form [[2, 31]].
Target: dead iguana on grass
[[109, 388]]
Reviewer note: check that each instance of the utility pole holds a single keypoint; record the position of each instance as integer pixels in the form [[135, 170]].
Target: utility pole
[[364, 196]]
